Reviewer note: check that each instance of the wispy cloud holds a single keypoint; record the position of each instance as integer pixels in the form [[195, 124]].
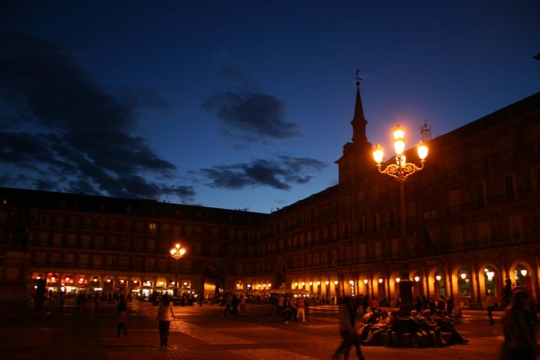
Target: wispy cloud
[[278, 173]]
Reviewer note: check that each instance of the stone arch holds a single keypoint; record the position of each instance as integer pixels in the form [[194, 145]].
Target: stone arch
[[436, 288], [394, 286], [483, 281], [214, 275], [418, 287], [517, 278], [458, 284]]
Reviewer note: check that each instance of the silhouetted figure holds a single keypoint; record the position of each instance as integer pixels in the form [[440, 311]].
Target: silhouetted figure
[[519, 339], [121, 315], [165, 311]]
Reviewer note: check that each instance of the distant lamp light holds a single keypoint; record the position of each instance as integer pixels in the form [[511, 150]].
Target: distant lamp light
[[380, 280], [422, 151], [310, 283], [524, 272], [95, 278], [269, 286], [303, 284], [417, 278], [318, 283], [378, 154], [398, 280], [490, 275], [336, 282], [463, 275], [327, 282], [366, 281], [351, 282], [438, 277], [109, 280]]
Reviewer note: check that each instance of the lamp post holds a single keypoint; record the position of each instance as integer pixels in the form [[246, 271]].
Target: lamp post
[[177, 252], [401, 170]]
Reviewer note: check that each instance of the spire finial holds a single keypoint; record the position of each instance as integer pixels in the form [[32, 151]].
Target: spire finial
[[358, 79]]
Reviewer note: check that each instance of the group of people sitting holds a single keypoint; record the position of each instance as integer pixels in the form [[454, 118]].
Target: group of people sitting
[[425, 328]]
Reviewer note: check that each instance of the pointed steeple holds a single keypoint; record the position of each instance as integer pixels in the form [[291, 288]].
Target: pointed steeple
[[359, 122]]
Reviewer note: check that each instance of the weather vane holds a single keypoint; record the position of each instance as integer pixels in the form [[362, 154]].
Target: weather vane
[[357, 77]]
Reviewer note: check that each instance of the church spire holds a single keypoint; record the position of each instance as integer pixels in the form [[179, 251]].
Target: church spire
[[358, 122]]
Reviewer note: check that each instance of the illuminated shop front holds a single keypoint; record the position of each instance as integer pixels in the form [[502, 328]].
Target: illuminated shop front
[[147, 288]]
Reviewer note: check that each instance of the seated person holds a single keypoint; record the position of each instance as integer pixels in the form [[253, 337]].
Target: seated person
[[446, 325], [395, 329], [433, 331], [383, 325], [368, 320], [415, 327]]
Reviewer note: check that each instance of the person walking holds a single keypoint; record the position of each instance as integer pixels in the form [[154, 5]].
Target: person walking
[[121, 316], [242, 304], [490, 306], [228, 305], [519, 339], [280, 304], [62, 299], [300, 310], [165, 311], [234, 305], [347, 332], [97, 301]]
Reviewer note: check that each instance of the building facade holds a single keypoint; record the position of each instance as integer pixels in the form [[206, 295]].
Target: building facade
[[472, 218]]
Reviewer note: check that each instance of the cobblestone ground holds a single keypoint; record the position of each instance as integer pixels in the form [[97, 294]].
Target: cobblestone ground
[[202, 333]]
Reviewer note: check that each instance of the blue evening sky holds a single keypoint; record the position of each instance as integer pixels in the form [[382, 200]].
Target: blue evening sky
[[241, 104]]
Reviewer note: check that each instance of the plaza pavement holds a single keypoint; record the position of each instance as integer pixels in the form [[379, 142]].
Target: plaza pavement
[[201, 333]]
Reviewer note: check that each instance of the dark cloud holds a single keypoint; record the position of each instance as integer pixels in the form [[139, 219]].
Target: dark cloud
[[252, 116], [277, 173], [68, 133]]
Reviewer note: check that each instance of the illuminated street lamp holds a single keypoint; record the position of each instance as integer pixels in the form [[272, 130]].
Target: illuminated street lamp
[[177, 252], [401, 170]]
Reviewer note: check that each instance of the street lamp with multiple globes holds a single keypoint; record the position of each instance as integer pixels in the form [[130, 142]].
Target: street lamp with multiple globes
[[401, 170], [177, 252]]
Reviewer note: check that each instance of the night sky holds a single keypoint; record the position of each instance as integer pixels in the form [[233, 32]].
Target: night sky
[[241, 105]]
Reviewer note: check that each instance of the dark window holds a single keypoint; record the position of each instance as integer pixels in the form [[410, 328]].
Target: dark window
[[509, 188], [479, 193]]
